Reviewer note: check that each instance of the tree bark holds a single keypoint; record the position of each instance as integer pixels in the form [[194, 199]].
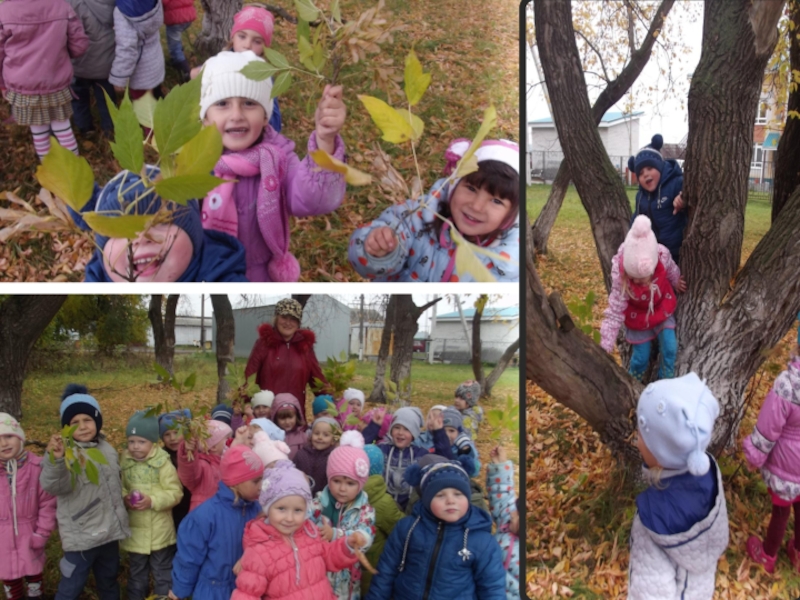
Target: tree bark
[[226, 334], [217, 25], [499, 368], [163, 324], [22, 320], [477, 365], [378, 392]]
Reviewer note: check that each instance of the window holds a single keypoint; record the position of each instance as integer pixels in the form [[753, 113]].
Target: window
[[761, 116], [758, 157]]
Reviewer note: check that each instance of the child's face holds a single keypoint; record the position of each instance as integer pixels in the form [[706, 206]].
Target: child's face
[[343, 489], [86, 431], [218, 449], [261, 412], [647, 456], [249, 490], [402, 437], [452, 433], [449, 505], [355, 407], [322, 436], [476, 212], [649, 178], [139, 447], [172, 439], [240, 121], [247, 39], [287, 514], [161, 254], [287, 423], [10, 446]]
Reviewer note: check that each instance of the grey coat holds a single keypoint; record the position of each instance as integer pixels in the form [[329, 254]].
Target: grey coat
[[139, 58], [89, 515], [97, 17]]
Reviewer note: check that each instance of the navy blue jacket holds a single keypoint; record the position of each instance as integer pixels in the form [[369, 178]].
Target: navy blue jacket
[[436, 562], [657, 206]]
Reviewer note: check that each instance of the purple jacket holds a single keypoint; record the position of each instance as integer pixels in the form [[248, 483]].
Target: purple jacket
[[314, 463], [37, 40], [774, 445]]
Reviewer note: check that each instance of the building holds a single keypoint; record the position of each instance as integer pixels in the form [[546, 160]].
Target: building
[[187, 331], [499, 329], [767, 130]]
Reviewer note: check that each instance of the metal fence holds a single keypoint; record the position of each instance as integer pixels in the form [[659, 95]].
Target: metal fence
[[542, 166]]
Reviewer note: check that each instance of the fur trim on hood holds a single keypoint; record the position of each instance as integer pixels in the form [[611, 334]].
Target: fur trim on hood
[[303, 338]]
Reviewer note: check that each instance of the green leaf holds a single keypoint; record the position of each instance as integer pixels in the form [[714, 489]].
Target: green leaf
[[144, 108], [128, 138], [416, 82], [52, 457], [258, 70], [176, 118], [276, 58], [200, 154], [393, 126], [336, 12], [190, 381], [306, 10], [282, 83], [162, 372], [319, 59], [590, 297], [183, 188], [303, 29], [123, 226], [69, 455], [92, 474], [66, 176], [306, 53], [111, 104], [96, 456]]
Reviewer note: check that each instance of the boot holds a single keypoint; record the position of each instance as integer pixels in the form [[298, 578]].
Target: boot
[[755, 550], [794, 555], [184, 69]]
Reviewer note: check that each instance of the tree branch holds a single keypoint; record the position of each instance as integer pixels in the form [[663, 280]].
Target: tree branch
[[597, 52]]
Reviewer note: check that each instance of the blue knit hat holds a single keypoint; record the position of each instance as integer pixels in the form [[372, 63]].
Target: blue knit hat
[[222, 413], [375, 456], [76, 401], [649, 156], [167, 420], [433, 478], [321, 403]]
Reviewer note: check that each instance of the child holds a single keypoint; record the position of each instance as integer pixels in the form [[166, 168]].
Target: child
[[408, 242], [644, 279], [91, 517], [502, 504], [271, 183], [459, 442], [138, 60], [342, 508], [289, 417], [387, 513], [774, 448], [39, 38], [659, 196], [273, 431], [201, 474], [352, 403], [268, 450], [29, 514], [222, 413], [425, 439], [147, 469], [178, 16], [312, 458], [681, 526], [466, 402], [284, 554], [321, 405], [172, 435], [262, 404], [445, 549], [210, 538]]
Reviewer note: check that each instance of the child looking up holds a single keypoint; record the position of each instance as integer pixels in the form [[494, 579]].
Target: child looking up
[[91, 517], [267, 183], [312, 458], [409, 243], [644, 279], [138, 59], [288, 416], [503, 507], [171, 436], [201, 474], [466, 402], [151, 489], [32, 513], [681, 525]]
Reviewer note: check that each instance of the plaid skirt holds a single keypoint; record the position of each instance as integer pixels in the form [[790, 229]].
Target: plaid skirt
[[40, 109]]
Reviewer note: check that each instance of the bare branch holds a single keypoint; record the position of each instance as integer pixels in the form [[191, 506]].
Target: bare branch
[[597, 52]]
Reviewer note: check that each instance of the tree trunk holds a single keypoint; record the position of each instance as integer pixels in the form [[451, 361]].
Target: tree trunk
[[540, 232], [302, 298], [217, 25], [378, 394], [22, 320], [163, 324], [477, 364], [499, 368], [226, 334]]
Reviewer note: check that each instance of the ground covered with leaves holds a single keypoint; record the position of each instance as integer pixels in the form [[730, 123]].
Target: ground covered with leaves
[[580, 502], [471, 54]]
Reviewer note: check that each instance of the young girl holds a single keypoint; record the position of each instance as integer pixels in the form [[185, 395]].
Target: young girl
[[342, 508], [503, 506], [288, 415], [171, 436], [351, 404], [138, 58], [39, 39], [774, 448], [643, 276], [408, 242], [201, 474], [312, 458], [445, 549], [210, 538], [27, 514], [147, 469], [91, 517], [272, 184], [681, 525], [466, 402]]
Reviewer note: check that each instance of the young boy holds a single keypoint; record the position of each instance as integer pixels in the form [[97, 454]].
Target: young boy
[[466, 402], [171, 436]]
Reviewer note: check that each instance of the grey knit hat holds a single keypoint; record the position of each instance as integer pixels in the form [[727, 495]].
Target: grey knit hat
[[469, 391]]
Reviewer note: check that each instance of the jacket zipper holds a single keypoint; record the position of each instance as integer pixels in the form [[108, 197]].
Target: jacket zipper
[[434, 558], [296, 561]]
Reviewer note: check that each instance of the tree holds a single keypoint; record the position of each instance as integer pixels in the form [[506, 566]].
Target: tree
[[162, 321], [226, 335], [111, 320], [729, 315], [217, 25], [487, 383], [22, 321]]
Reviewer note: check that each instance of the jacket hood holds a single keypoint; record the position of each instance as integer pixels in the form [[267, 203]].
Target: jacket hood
[[291, 400], [476, 519], [787, 384], [157, 458], [148, 23], [303, 338], [136, 8]]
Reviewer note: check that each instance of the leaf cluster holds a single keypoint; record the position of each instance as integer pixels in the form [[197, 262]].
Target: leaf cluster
[[505, 420], [79, 461], [339, 373], [582, 315]]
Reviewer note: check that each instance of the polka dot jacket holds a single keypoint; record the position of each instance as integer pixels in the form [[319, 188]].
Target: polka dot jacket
[[502, 503]]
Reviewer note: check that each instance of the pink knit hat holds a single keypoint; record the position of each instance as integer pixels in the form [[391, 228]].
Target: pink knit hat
[[255, 19], [268, 450], [349, 459], [640, 252], [240, 464], [504, 151], [217, 431]]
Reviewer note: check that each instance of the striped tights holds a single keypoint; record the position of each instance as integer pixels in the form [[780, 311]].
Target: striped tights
[[63, 132]]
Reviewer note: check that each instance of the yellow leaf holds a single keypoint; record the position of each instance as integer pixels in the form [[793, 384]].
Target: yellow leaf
[[467, 166], [467, 261], [351, 175], [416, 82], [489, 121], [417, 126], [393, 126], [123, 226], [67, 176]]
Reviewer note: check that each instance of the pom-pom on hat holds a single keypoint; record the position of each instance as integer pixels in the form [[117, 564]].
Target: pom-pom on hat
[[143, 426], [354, 394], [469, 392], [376, 459], [240, 464], [255, 19], [269, 450], [433, 478], [167, 420], [349, 459], [79, 402], [289, 307], [640, 251], [409, 417], [217, 431], [504, 151], [273, 431], [222, 413], [222, 79], [452, 418], [262, 398], [281, 481], [10, 426], [649, 156], [320, 403], [676, 418]]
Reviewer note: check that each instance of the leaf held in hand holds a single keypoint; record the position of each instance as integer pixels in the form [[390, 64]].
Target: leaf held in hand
[[123, 226], [488, 123], [329, 163], [183, 188], [467, 261], [258, 70], [393, 126], [96, 456], [416, 82], [66, 176], [92, 473], [465, 167], [176, 118], [276, 58], [417, 126], [144, 108], [200, 154], [128, 138]]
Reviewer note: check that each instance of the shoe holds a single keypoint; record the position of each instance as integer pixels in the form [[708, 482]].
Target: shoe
[[794, 555], [184, 69], [755, 550]]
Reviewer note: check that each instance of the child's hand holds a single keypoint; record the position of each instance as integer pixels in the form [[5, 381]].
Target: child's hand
[[678, 204], [498, 454], [378, 415], [143, 504], [172, 596], [380, 242], [326, 531], [356, 540], [248, 410], [237, 568], [119, 89], [680, 287], [237, 408], [56, 446], [329, 117], [242, 436], [435, 422], [189, 444]]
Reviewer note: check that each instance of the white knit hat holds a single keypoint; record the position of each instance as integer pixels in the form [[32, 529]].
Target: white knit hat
[[675, 419], [262, 398], [10, 426], [222, 79], [640, 252], [354, 394]]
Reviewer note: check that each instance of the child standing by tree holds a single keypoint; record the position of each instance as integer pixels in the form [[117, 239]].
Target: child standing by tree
[[288, 415], [312, 458], [172, 436], [200, 472], [681, 525], [91, 517], [466, 402], [37, 40], [139, 59], [27, 514], [503, 506], [151, 489], [774, 448], [644, 279]]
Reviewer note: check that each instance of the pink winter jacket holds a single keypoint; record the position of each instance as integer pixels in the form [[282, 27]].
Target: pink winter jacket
[[201, 476], [32, 513], [273, 567], [37, 40], [179, 11]]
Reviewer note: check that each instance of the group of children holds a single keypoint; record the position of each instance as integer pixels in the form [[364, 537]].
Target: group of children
[[271, 509]]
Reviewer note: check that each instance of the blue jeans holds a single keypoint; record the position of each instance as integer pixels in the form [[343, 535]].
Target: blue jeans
[[82, 107], [75, 567], [174, 41], [668, 347]]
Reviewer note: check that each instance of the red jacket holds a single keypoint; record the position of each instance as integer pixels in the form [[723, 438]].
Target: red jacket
[[285, 367], [650, 305], [201, 476], [179, 11], [271, 568]]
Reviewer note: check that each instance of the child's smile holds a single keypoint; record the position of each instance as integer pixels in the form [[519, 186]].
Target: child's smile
[[161, 254], [240, 121], [476, 212]]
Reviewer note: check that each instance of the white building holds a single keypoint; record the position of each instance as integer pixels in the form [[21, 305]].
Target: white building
[[187, 331], [499, 329]]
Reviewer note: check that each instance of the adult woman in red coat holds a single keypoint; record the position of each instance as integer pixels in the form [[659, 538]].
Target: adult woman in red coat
[[283, 356]]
